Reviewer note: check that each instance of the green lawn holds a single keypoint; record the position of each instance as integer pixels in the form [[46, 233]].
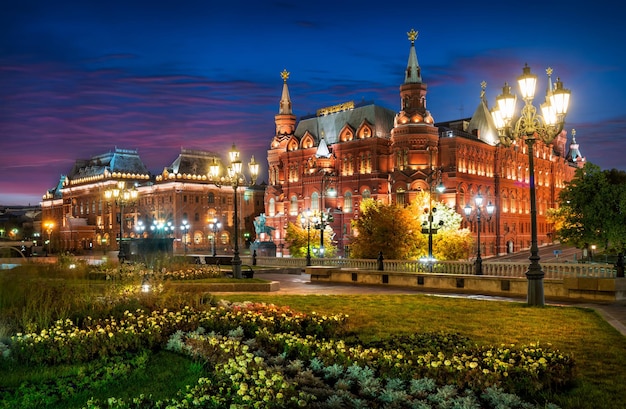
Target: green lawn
[[599, 349]]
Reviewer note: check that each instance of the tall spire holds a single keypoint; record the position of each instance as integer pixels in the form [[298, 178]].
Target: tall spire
[[413, 70], [285, 120], [285, 101]]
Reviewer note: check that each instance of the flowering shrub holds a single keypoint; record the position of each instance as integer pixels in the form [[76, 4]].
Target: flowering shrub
[[258, 355], [66, 342], [130, 272]]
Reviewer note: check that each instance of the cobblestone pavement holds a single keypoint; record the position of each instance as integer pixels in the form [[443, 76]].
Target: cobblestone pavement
[[614, 314]]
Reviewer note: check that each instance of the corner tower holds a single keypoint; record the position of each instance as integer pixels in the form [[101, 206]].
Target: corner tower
[[414, 136], [285, 122]]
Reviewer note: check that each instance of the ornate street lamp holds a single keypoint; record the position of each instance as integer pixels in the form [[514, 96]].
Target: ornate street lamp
[[140, 228], [185, 228], [215, 227], [427, 225], [49, 227], [326, 217], [305, 220], [531, 127], [122, 196], [235, 178], [478, 201]]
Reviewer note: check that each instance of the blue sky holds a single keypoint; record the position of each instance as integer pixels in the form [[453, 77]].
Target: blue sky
[[79, 78]]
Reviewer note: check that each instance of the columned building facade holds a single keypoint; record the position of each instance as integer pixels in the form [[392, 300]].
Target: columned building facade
[[360, 151], [180, 203]]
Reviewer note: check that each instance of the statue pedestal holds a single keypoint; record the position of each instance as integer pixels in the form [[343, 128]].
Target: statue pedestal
[[263, 248]]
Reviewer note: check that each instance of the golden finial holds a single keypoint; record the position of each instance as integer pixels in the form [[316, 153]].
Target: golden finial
[[284, 75], [483, 87], [549, 71], [412, 36]]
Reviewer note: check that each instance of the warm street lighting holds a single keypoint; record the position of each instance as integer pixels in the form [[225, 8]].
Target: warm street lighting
[[140, 227], [531, 127], [305, 220], [49, 227], [122, 196], [326, 217], [235, 178], [185, 229], [162, 228], [215, 227], [427, 225], [478, 201]]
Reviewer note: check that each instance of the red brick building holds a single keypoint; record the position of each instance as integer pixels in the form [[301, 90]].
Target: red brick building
[[361, 151]]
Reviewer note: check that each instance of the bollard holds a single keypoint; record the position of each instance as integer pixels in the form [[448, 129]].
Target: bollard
[[254, 258]]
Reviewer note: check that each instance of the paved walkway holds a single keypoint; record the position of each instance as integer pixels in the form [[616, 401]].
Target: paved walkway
[[614, 314]]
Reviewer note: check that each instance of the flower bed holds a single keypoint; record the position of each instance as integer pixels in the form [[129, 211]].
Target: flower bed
[[260, 355]]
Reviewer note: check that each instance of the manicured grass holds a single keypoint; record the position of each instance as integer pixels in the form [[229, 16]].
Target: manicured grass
[[165, 374], [599, 349]]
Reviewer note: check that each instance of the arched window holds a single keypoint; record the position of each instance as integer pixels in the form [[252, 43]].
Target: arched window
[[315, 202], [366, 194], [293, 206], [347, 202], [211, 198]]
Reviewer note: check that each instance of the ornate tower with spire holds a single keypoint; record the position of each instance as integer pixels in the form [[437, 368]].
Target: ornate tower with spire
[[285, 120], [414, 135]]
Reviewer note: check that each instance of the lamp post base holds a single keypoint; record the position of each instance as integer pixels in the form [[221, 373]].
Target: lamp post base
[[479, 266], [236, 262], [535, 296]]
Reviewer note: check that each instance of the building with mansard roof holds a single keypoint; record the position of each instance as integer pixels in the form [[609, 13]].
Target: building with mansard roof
[[183, 194], [360, 151]]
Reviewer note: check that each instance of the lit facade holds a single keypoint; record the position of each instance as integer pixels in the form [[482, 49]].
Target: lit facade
[[87, 220], [367, 151]]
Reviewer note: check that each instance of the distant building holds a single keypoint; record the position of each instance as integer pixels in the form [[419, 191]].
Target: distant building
[[360, 150], [182, 195]]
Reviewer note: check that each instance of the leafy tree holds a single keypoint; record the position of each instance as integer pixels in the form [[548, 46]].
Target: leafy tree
[[397, 231], [392, 229], [297, 239], [593, 209]]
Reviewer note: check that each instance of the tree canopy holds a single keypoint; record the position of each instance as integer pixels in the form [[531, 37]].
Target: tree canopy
[[298, 238], [593, 209], [397, 231]]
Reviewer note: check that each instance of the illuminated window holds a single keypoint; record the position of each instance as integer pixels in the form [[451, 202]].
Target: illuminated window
[[347, 202], [293, 206]]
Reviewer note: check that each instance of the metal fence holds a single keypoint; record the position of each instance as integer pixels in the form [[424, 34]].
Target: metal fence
[[498, 269]]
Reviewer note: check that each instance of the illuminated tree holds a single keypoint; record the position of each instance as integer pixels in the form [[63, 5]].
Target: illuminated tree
[[297, 239], [397, 232]]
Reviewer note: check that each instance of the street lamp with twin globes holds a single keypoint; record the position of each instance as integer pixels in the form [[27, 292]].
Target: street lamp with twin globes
[[235, 178], [531, 127]]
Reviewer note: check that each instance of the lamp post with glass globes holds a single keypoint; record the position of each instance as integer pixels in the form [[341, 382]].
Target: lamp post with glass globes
[[122, 195], [326, 217], [305, 220], [49, 227], [185, 228], [235, 178], [215, 227], [140, 227], [532, 127], [478, 201]]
